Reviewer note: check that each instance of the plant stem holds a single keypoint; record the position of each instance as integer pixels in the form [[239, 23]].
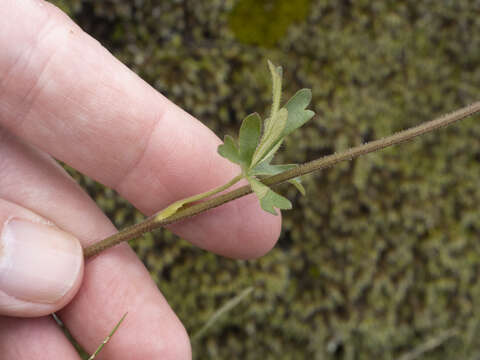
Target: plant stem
[[214, 191], [173, 208], [152, 223], [131, 232]]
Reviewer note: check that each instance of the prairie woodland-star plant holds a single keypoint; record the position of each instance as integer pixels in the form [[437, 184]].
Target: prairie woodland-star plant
[[257, 146], [253, 152]]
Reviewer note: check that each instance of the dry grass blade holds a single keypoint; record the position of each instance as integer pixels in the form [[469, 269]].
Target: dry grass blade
[[229, 305], [107, 339]]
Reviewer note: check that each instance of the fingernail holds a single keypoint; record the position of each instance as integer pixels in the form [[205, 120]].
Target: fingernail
[[38, 262]]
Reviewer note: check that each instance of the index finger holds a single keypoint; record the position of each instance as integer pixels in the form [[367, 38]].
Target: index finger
[[63, 92]]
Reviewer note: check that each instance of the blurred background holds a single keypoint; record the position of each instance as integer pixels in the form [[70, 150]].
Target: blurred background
[[382, 257]]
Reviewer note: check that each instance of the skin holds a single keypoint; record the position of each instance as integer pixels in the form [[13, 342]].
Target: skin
[[62, 95]]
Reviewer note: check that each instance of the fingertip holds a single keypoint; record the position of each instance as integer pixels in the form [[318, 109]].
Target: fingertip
[[41, 268], [178, 346], [257, 231], [239, 229], [78, 278]]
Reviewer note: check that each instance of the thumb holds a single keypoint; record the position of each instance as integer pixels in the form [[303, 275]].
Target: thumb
[[41, 266]]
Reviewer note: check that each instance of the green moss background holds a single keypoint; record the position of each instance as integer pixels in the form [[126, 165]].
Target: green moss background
[[383, 255]]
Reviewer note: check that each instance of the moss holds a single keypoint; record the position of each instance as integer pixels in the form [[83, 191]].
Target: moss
[[265, 22]]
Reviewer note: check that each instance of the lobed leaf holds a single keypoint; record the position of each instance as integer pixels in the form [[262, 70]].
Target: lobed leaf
[[249, 137], [269, 200], [271, 139], [258, 188], [273, 200], [297, 183], [276, 72], [265, 168], [268, 157], [255, 149], [229, 150], [297, 113]]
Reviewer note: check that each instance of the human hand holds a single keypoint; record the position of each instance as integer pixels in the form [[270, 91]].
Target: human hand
[[63, 95]]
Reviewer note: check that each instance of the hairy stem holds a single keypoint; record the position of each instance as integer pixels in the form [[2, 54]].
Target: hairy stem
[[171, 209], [152, 222]]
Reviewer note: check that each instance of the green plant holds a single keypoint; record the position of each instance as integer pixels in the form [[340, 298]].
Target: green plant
[[79, 349], [107, 339], [255, 148], [254, 152]]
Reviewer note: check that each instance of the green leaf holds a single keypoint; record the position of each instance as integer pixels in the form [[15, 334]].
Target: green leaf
[[258, 188], [276, 72], [271, 138], [269, 200], [268, 157], [229, 150], [296, 182], [171, 209], [249, 137], [265, 168], [255, 149], [297, 115], [273, 200]]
